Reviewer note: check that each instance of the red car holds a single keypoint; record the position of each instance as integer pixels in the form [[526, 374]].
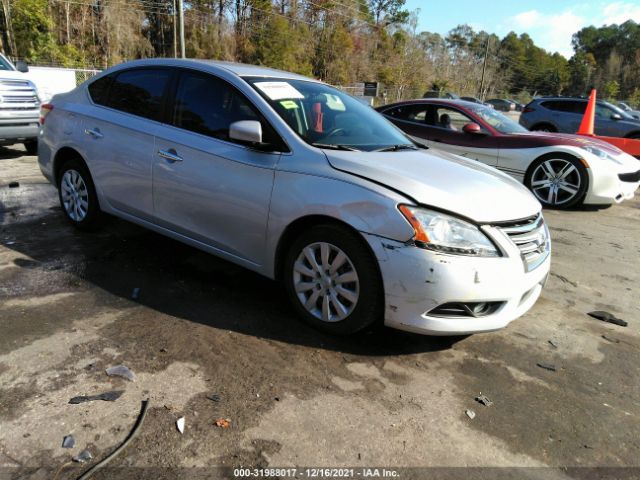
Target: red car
[[561, 170]]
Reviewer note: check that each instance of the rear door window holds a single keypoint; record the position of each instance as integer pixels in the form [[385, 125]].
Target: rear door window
[[411, 113], [567, 106], [448, 118], [139, 92]]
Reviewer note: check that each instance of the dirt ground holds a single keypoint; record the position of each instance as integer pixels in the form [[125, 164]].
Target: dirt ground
[[296, 397]]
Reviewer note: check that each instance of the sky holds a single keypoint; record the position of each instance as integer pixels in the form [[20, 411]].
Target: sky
[[550, 23]]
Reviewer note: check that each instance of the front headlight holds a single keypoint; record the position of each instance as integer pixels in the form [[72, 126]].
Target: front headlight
[[601, 154], [444, 233]]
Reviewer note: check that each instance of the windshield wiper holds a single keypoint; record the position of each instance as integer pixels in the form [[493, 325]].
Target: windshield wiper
[[335, 147], [395, 148]]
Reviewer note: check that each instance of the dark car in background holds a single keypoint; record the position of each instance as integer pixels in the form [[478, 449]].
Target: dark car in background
[[519, 106], [476, 100], [502, 105], [564, 114]]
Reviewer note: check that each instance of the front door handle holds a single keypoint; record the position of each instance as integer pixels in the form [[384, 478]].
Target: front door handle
[[95, 133], [170, 155]]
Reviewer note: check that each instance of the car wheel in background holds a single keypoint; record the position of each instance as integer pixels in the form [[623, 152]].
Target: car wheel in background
[[32, 147], [634, 136], [543, 127], [558, 180], [77, 195], [333, 280]]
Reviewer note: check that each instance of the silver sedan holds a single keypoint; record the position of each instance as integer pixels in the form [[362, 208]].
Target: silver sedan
[[300, 182]]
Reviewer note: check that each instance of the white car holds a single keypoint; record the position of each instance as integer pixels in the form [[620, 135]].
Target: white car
[[562, 170], [299, 182]]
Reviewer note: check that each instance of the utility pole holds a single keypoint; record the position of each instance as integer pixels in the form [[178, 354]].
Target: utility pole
[[175, 29], [181, 16], [484, 69]]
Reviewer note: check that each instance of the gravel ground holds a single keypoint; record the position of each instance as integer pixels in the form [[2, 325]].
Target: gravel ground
[[296, 397]]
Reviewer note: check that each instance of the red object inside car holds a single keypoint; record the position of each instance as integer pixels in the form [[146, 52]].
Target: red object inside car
[[317, 117]]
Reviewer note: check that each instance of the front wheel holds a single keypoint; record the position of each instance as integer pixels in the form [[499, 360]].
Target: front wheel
[[333, 280], [558, 180], [77, 195]]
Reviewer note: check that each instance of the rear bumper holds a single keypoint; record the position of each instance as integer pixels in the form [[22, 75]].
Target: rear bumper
[[417, 280]]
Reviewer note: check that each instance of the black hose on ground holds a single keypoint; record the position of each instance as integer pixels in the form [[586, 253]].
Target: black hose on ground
[[108, 458]]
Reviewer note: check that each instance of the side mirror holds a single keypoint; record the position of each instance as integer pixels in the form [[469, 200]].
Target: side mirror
[[616, 116], [22, 66], [249, 131], [472, 129]]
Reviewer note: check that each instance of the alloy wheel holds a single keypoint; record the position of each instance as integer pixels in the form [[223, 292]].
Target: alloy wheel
[[75, 196], [326, 282], [556, 182]]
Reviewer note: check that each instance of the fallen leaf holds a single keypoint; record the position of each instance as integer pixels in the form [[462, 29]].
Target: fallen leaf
[[222, 423]]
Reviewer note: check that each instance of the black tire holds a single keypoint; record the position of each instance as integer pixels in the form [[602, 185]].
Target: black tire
[[634, 136], [369, 306], [31, 146], [544, 127], [93, 215], [557, 160]]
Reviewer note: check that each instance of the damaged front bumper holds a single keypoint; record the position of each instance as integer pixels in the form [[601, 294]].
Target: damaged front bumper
[[441, 294]]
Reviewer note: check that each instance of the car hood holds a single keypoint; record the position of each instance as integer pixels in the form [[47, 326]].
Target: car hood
[[444, 181], [12, 74]]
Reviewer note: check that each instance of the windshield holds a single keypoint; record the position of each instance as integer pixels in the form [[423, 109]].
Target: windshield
[[328, 118], [500, 122], [619, 111], [4, 64]]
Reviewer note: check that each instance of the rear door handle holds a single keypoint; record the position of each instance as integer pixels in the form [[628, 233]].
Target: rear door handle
[[170, 155], [95, 133]]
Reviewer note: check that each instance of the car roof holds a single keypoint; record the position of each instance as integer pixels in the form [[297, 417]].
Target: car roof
[[570, 99], [440, 101], [239, 69]]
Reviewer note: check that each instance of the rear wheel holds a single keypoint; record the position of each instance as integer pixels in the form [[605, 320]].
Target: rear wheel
[[558, 180], [333, 280], [32, 147], [77, 195], [543, 127]]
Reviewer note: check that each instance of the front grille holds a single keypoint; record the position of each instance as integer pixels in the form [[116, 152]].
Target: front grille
[[532, 239], [17, 95], [630, 177]]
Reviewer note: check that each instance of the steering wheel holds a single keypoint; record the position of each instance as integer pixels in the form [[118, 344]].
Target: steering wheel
[[335, 132]]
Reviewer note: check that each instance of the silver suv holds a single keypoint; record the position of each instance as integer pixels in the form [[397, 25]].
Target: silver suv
[[300, 182], [562, 114], [19, 107]]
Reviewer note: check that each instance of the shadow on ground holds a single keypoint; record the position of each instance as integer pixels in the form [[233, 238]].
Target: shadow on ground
[[183, 282]]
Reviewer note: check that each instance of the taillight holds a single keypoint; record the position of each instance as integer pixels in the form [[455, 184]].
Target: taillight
[[45, 109], [528, 110]]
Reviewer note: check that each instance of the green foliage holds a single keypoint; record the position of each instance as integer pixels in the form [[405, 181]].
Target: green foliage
[[615, 50], [634, 98], [33, 29], [610, 90], [339, 41], [281, 44]]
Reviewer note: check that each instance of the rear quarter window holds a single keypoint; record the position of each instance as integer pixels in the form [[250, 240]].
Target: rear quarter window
[[99, 89]]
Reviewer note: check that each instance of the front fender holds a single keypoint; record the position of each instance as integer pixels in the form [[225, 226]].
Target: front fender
[[298, 195]]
